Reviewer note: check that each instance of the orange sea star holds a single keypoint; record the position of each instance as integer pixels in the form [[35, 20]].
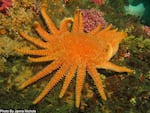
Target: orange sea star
[[73, 52]]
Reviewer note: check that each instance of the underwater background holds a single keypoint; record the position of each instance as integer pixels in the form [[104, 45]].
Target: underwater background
[[126, 92]]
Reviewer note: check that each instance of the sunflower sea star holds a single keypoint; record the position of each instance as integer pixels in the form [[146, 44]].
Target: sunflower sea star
[[73, 52]]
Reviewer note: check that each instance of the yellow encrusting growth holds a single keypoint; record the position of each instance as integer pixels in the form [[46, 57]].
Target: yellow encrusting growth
[[73, 52]]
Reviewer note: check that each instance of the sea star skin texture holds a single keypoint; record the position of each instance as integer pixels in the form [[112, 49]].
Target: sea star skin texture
[[73, 52]]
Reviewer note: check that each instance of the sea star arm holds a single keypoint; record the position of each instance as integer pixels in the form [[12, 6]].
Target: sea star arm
[[111, 66], [42, 73], [54, 80], [114, 30], [80, 22], [42, 32], [34, 40], [97, 80], [68, 79], [48, 21], [42, 59], [111, 35], [76, 21], [102, 32], [109, 52], [64, 24], [35, 52], [79, 82], [51, 56], [107, 28], [94, 31]]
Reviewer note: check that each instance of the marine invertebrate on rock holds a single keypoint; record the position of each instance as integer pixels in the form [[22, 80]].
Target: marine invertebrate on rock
[[92, 18], [4, 5], [74, 53], [146, 29], [2, 31]]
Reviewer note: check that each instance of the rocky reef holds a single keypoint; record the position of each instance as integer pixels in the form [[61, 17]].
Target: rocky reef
[[126, 92]]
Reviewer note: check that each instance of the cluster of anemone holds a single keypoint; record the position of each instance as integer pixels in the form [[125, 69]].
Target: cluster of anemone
[[146, 29], [92, 18]]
